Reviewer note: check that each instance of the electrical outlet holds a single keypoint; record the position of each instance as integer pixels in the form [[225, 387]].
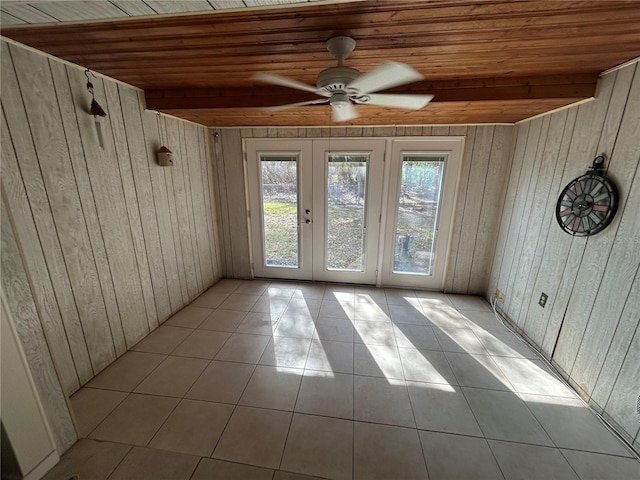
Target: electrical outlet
[[499, 296], [543, 299]]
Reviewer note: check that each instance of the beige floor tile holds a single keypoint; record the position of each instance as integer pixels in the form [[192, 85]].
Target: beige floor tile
[[210, 299], [330, 356], [503, 416], [415, 336], [162, 340], [595, 466], [340, 293], [309, 292], [209, 469], [337, 308], [386, 452], [456, 456], [380, 400], [571, 424], [372, 312], [253, 287], [428, 297], [227, 285], [426, 366], [272, 387], [286, 352], [271, 305], [532, 376], [221, 382], [295, 326], [202, 344], [135, 420], [194, 427], [223, 320], [459, 340], [243, 348], [408, 314], [374, 333], [303, 308], [469, 302], [256, 323], [239, 301], [503, 343], [442, 408], [441, 315], [328, 394], [127, 372], [370, 295], [326, 453], [377, 361], [281, 289], [91, 406], [173, 377], [90, 460], [189, 317], [483, 320], [400, 296], [334, 329], [531, 462], [254, 436], [478, 371], [280, 475], [150, 464]]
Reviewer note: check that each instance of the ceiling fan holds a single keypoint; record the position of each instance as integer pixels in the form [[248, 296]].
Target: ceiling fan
[[342, 87]]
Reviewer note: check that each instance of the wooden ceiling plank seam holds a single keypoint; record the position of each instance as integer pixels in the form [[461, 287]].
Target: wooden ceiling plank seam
[[164, 25], [28, 13]]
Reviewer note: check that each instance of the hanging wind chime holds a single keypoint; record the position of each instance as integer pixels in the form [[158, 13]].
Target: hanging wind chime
[[95, 109]]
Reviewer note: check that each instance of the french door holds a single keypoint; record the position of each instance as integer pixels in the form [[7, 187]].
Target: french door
[[315, 208], [335, 210]]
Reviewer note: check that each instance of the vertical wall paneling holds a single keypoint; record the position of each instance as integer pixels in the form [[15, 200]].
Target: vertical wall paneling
[[36, 86], [141, 164], [191, 205], [78, 160], [169, 174], [90, 260], [123, 157], [212, 213], [108, 192], [525, 245], [581, 153], [589, 328], [17, 294], [73, 359], [159, 187], [547, 244], [498, 150], [597, 249], [479, 167], [619, 269], [222, 205], [463, 184]]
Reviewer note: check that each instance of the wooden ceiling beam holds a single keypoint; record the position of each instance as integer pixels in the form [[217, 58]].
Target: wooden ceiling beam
[[549, 87]]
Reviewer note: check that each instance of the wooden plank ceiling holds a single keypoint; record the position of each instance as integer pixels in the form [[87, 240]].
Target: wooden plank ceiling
[[485, 62]]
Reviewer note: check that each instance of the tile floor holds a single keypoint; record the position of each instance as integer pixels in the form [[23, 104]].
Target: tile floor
[[276, 380]]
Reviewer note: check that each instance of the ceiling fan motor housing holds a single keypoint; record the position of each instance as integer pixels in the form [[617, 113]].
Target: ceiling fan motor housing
[[336, 79]]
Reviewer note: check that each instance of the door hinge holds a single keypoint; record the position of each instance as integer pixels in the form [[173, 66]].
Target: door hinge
[[249, 214]]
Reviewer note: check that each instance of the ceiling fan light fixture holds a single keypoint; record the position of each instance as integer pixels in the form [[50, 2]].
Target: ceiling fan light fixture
[[339, 100]]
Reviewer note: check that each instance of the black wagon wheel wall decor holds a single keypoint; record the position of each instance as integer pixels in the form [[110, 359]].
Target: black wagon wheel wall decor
[[588, 203]]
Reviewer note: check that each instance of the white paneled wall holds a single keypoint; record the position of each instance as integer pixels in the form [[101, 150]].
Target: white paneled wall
[[111, 244], [589, 327], [484, 171]]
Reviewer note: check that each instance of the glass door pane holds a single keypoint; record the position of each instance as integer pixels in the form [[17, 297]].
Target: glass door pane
[[279, 189], [417, 214], [346, 211]]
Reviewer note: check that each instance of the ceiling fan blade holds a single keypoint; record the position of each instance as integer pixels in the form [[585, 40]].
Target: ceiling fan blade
[[385, 76], [397, 100], [284, 82], [277, 108], [344, 113]]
